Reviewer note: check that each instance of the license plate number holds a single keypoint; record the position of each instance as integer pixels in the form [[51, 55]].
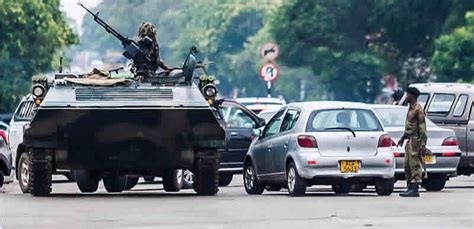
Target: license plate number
[[349, 166], [430, 159]]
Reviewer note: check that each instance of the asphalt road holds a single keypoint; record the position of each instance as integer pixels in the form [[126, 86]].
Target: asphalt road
[[148, 206]]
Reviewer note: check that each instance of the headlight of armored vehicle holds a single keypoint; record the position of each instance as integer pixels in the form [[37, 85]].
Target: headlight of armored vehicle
[[209, 91], [38, 90]]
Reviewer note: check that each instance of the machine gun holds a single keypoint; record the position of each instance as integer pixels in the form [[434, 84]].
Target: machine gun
[[133, 50]]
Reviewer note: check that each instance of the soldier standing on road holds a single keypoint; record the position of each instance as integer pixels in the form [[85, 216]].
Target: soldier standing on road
[[149, 29], [415, 133]]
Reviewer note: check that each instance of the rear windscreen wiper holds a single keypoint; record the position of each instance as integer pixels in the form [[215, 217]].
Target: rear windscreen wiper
[[342, 128]]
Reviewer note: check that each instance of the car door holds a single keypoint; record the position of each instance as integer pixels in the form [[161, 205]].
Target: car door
[[282, 141], [470, 131], [239, 125], [262, 149]]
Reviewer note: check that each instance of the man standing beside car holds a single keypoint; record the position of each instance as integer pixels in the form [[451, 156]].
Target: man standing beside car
[[415, 133]]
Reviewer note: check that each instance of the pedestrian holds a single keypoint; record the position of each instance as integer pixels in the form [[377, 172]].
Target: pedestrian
[[415, 133]]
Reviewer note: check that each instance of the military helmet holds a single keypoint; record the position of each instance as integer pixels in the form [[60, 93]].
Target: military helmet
[[147, 29]]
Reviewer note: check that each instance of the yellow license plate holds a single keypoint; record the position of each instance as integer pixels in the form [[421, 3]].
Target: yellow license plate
[[429, 159], [349, 166]]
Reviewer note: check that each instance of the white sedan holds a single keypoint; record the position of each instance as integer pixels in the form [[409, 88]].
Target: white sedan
[[321, 143]]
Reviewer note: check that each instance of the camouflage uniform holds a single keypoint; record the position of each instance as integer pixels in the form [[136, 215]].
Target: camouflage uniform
[[148, 29], [415, 132]]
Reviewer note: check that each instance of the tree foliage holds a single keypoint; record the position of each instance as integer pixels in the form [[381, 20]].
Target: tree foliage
[[32, 35], [454, 53]]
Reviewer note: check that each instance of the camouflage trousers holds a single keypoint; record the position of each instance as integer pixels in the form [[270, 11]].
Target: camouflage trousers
[[413, 164]]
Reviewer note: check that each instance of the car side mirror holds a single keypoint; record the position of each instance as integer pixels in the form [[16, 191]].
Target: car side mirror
[[257, 132], [260, 123]]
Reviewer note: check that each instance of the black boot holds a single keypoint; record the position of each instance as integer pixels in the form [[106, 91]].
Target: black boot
[[412, 191]]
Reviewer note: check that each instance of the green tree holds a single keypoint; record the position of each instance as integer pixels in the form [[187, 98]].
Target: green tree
[[33, 33], [454, 53]]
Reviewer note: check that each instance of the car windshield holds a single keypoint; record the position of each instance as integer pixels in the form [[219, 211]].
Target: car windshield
[[340, 119], [393, 117], [261, 103]]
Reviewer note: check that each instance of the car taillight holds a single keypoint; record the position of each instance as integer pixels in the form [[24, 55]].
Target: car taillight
[[385, 141], [451, 141], [393, 143], [4, 136], [307, 141]]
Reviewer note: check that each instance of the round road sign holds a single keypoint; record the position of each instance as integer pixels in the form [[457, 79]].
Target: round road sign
[[269, 51], [269, 71]]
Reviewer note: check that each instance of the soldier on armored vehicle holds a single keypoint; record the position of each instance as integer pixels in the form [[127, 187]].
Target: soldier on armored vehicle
[[111, 129]]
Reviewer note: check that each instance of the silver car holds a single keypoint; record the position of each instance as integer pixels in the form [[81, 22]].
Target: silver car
[[321, 143], [441, 142], [5, 158]]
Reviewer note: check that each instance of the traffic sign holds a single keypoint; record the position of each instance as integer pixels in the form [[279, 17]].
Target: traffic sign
[[269, 71], [269, 51]]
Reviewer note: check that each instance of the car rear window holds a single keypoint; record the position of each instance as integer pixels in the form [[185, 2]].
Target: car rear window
[[354, 119], [393, 117], [441, 103], [25, 112], [460, 106]]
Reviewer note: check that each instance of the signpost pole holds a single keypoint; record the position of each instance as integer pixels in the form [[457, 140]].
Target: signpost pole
[[269, 89]]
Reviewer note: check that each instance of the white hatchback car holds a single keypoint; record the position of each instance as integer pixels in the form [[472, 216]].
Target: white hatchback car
[[321, 143]]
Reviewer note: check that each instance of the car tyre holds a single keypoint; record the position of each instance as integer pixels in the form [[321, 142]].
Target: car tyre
[[173, 180], [251, 184], [384, 187], [2, 179], [41, 174], [87, 181], [115, 183], [206, 175], [341, 189], [23, 172], [435, 182], [225, 179], [296, 184]]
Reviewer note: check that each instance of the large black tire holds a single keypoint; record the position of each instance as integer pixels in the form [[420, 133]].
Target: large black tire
[[225, 179], [70, 176], [87, 181], [342, 188], [206, 176], [384, 187], [173, 180], [41, 176], [23, 172], [296, 184], [114, 183], [435, 182], [2, 179], [251, 184], [131, 182]]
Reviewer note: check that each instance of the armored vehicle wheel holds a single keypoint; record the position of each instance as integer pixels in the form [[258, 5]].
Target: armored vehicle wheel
[[435, 182], [173, 180], [384, 187], [149, 179], [206, 175], [40, 174], [23, 172], [131, 182], [87, 181], [225, 179], [115, 183], [341, 188]]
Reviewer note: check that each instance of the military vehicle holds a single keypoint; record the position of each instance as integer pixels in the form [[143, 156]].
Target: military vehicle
[[111, 129]]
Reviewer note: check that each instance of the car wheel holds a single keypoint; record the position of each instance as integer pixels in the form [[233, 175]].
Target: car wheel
[[2, 179], [115, 183], [251, 184], [384, 187], [87, 181], [296, 184], [149, 178], [341, 188], [225, 179], [435, 182], [187, 179], [173, 180], [131, 182], [23, 173]]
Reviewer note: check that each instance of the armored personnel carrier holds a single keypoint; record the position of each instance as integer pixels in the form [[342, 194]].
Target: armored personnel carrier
[[112, 129]]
